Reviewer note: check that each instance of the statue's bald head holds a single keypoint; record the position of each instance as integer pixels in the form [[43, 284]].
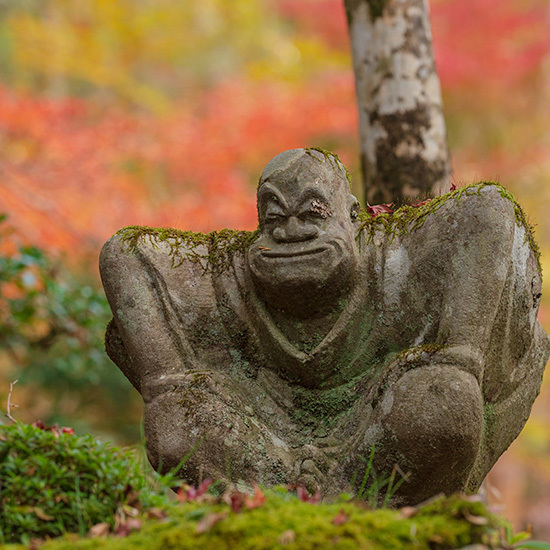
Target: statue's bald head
[[305, 255], [308, 164]]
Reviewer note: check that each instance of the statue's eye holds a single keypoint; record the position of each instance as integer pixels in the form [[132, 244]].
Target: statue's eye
[[313, 214], [273, 217], [273, 212]]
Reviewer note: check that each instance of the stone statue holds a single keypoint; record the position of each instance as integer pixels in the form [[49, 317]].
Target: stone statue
[[328, 340]]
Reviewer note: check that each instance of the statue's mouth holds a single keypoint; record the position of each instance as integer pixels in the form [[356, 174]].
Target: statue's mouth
[[292, 252]]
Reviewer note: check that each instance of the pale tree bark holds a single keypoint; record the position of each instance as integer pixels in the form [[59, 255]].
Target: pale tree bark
[[403, 141]]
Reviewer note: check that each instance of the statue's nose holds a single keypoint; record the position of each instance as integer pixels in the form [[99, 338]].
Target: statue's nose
[[295, 230]]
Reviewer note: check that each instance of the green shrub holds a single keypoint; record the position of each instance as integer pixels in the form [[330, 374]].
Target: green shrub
[[53, 482], [52, 326]]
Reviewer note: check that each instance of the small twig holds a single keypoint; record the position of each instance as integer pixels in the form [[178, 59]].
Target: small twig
[[9, 404]]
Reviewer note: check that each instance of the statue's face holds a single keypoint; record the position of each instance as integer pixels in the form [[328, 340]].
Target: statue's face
[[305, 258]]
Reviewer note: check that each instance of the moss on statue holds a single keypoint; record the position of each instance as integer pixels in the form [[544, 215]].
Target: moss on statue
[[410, 218], [331, 157], [323, 407], [220, 245]]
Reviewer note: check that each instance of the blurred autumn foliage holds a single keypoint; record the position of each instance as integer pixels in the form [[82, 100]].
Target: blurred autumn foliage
[[155, 112]]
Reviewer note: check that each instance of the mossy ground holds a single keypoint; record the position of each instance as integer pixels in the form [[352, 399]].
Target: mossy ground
[[286, 522]]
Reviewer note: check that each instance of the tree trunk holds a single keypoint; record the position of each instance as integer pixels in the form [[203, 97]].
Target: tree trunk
[[404, 150]]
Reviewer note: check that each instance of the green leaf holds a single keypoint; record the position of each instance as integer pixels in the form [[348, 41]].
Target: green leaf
[[533, 545]]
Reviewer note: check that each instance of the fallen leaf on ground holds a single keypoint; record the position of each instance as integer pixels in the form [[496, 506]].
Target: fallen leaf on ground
[[418, 204], [42, 515], [340, 518], [476, 520], [256, 500], [287, 537], [99, 530], [408, 512], [208, 521], [236, 501], [156, 513], [188, 493], [124, 528], [304, 496]]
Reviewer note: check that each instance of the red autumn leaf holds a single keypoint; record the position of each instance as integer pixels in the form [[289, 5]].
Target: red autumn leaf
[[203, 487], [256, 500], [126, 526], [54, 429], [187, 493], [376, 209], [453, 187], [183, 493], [418, 204], [236, 501], [40, 425], [340, 518], [304, 496], [208, 521]]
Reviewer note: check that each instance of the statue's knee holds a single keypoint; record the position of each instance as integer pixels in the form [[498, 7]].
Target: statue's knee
[[435, 412]]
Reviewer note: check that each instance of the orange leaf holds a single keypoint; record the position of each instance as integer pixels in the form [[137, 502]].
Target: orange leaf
[[256, 500]]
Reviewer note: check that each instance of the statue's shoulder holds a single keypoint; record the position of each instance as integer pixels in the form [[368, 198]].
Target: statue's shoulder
[[159, 245], [174, 248], [492, 209], [484, 199], [478, 208]]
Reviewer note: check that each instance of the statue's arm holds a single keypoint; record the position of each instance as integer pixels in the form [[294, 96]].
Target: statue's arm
[[145, 319], [430, 407], [478, 240]]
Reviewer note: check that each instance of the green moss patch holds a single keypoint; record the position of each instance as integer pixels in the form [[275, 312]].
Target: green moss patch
[[284, 521], [53, 482]]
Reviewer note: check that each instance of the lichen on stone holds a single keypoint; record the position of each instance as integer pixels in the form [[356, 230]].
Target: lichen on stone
[[419, 353]]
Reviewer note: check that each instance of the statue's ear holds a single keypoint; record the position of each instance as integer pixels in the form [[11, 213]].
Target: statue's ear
[[355, 208]]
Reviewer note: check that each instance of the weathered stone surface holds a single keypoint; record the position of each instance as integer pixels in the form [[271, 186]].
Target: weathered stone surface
[[287, 354]]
